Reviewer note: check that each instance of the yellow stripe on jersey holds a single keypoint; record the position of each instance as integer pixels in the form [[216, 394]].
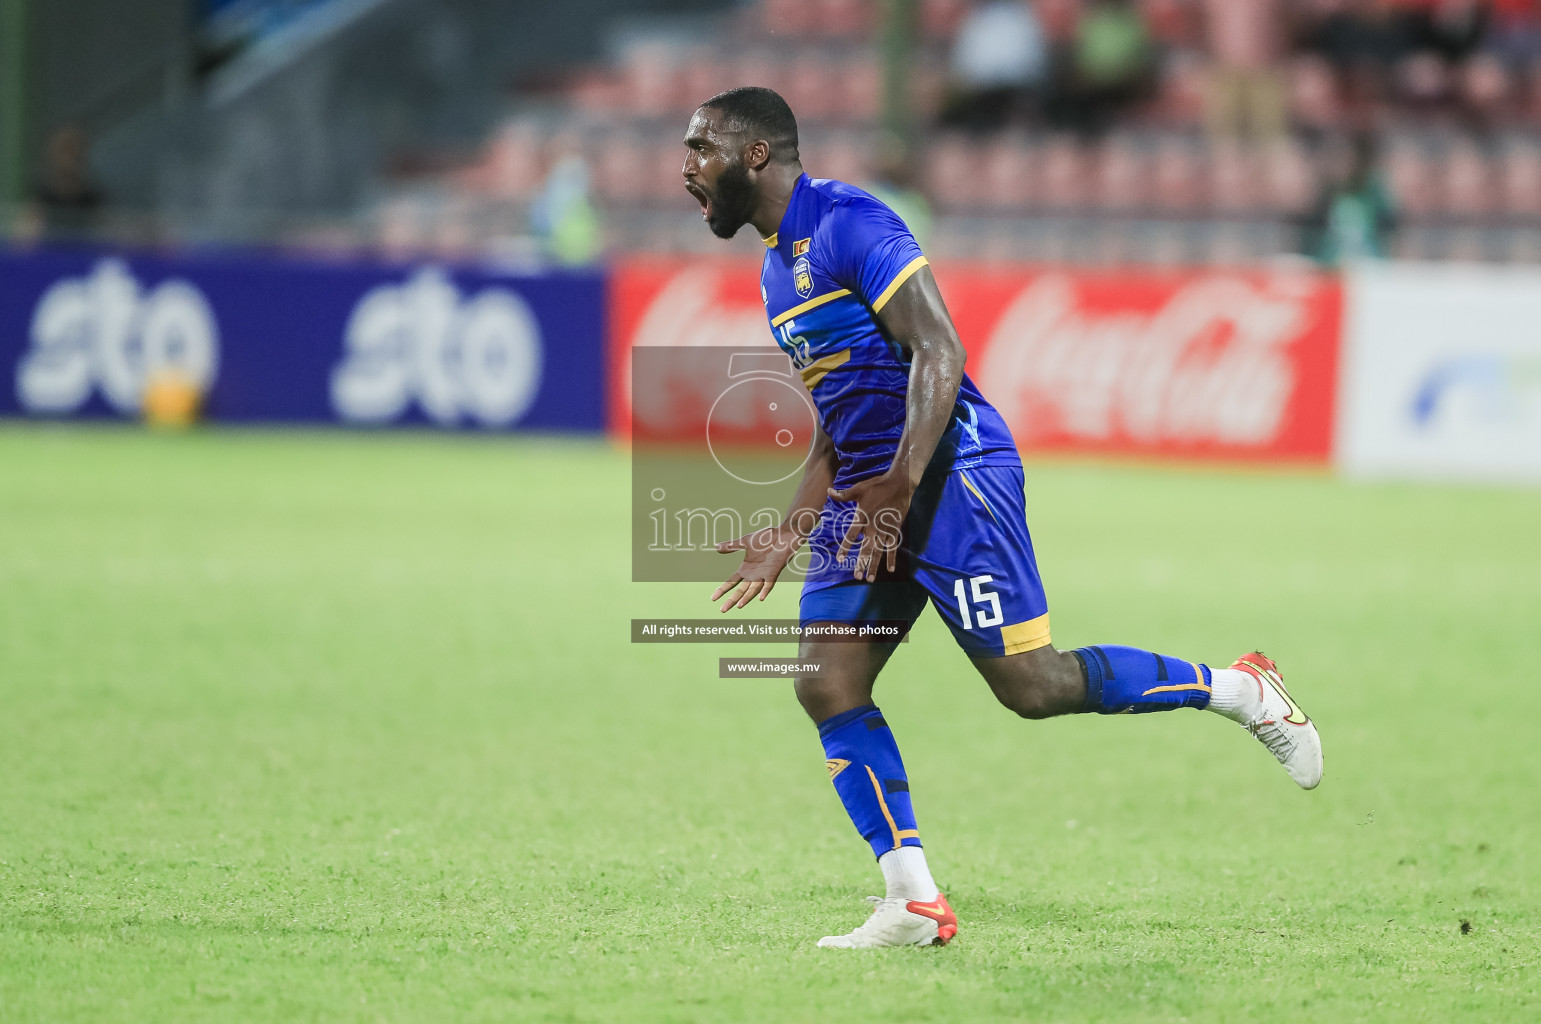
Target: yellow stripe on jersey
[[893, 286], [1026, 636], [771, 242], [813, 303], [819, 368]]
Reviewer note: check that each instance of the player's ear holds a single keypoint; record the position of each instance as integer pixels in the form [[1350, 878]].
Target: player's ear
[[757, 155]]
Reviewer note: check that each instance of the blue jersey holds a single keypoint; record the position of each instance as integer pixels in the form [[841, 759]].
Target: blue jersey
[[837, 259]]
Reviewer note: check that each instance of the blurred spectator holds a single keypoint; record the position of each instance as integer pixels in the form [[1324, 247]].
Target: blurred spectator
[[1451, 29], [563, 216], [1363, 40], [893, 181], [1246, 90], [66, 203], [1111, 66], [1447, 68], [1355, 216], [1000, 61]]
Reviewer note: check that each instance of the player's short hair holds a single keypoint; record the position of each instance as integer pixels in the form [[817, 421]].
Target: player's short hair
[[762, 114]]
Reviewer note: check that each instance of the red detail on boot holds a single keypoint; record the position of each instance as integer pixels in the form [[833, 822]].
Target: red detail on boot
[[939, 911]]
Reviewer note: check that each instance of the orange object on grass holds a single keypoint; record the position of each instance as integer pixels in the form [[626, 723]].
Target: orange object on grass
[[170, 400]]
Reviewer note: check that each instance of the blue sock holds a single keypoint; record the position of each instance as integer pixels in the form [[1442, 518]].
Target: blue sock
[[864, 764], [1122, 680]]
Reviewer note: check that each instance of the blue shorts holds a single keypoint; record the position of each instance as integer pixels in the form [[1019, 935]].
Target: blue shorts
[[966, 547]]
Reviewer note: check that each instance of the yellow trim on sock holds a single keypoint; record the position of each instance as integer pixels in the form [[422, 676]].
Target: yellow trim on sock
[[1176, 689], [893, 826], [1197, 684]]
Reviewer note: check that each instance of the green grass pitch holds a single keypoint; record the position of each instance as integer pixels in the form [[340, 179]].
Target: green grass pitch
[[346, 727]]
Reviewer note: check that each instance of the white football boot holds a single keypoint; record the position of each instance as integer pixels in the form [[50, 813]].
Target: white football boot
[[1281, 726], [896, 921]]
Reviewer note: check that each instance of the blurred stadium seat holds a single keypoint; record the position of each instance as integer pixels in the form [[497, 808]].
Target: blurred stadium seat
[[1210, 199], [1468, 191], [1520, 179], [1176, 176], [1121, 176], [1459, 136]]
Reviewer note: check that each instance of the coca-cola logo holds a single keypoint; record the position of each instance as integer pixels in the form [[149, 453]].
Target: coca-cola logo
[[1196, 364], [1210, 365], [691, 310], [673, 394]]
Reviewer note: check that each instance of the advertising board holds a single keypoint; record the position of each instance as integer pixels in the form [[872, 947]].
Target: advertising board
[[270, 339], [1442, 374], [1193, 364]]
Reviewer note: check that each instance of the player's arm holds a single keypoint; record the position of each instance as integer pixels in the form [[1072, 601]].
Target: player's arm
[[916, 318], [813, 490], [767, 551]]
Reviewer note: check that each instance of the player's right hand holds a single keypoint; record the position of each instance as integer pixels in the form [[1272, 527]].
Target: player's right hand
[[766, 553]]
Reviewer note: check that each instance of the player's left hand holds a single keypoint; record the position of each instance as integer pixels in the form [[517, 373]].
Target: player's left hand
[[882, 502]]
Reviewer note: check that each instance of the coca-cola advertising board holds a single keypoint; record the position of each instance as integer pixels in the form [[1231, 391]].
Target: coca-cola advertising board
[[1234, 365]]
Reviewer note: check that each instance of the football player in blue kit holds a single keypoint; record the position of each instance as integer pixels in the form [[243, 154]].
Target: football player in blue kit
[[913, 493]]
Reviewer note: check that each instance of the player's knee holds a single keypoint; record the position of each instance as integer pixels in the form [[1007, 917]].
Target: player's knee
[[1029, 700], [823, 697], [1038, 684]]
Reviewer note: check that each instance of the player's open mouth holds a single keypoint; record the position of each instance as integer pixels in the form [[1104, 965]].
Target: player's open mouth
[[706, 204]]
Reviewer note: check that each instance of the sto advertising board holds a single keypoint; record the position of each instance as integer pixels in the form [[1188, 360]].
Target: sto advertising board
[[281, 340]]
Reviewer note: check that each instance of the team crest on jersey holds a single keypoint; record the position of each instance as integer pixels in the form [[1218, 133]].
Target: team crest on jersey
[[802, 276], [800, 247]]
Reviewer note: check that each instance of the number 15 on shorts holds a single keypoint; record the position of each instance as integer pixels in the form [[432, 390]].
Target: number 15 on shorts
[[982, 599]]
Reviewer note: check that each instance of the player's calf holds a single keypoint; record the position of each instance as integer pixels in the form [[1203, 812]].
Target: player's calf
[[1113, 680]]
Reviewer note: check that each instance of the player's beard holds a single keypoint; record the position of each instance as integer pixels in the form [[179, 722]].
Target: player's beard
[[732, 201]]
